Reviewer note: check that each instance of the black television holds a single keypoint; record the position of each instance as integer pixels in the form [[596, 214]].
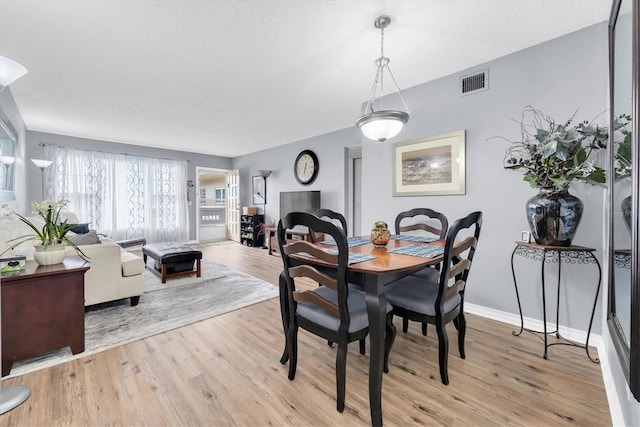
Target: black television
[[298, 201]]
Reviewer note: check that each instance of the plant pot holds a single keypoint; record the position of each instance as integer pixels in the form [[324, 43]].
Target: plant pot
[[554, 216], [52, 254]]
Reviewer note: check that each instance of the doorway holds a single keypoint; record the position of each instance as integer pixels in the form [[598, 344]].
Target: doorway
[[212, 197], [353, 194]]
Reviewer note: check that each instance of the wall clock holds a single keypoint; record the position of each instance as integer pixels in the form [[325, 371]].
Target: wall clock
[[306, 167]]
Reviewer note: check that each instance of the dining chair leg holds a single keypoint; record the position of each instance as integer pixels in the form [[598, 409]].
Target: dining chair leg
[[362, 344], [405, 325], [292, 344], [389, 338], [285, 355], [341, 372], [424, 329], [284, 312], [462, 329], [330, 343], [443, 351]]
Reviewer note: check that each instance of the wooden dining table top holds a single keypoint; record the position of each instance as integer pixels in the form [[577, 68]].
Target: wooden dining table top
[[388, 262]]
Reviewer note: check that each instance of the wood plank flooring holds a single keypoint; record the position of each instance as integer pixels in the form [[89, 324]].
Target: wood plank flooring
[[226, 371]]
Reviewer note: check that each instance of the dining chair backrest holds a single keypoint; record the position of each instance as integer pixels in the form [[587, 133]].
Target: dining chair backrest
[[457, 258], [296, 257], [435, 223], [331, 216]]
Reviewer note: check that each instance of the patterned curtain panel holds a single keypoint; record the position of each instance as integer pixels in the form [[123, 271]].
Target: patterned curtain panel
[[121, 195]]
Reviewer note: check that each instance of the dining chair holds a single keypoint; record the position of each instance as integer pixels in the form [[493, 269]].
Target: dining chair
[[428, 223], [442, 302], [332, 216], [335, 311]]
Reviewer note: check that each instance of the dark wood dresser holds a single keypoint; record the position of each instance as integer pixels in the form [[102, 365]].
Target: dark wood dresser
[[42, 310]]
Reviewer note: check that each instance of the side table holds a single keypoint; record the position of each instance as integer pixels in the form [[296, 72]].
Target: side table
[[557, 254], [42, 309]]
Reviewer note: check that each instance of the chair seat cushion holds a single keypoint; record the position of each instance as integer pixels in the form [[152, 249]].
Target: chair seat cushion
[[88, 238], [429, 274], [357, 310], [417, 295]]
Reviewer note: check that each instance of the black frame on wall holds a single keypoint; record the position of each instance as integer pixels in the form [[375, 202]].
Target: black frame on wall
[[627, 347]]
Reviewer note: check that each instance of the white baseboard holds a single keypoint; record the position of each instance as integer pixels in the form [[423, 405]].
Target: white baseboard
[[615, 409], [535, 324]]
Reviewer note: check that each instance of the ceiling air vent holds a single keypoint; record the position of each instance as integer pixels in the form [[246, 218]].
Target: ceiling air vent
[[476, 82]]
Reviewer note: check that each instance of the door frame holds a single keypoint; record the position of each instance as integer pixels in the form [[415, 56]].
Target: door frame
[[196, 197]]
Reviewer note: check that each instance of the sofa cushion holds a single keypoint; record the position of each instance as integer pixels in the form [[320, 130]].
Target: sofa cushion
[[131, 264], [79, 228], [90, 238]]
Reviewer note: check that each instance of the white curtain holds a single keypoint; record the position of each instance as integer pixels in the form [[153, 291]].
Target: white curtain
[[121, 195]]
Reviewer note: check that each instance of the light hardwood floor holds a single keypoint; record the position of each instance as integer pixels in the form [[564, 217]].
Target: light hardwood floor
[[226, 371]]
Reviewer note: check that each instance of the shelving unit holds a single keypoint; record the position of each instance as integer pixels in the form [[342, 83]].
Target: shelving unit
[[250, 232]]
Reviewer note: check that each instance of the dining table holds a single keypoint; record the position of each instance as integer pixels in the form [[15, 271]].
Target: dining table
[[372, 268]]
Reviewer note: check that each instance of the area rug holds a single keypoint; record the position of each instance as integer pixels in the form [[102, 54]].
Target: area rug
[[113, 324]]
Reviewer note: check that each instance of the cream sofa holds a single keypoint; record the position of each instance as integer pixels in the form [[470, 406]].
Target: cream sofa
[[114, 273]]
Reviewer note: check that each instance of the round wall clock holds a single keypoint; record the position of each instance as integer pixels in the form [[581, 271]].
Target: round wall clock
[[306, 167]]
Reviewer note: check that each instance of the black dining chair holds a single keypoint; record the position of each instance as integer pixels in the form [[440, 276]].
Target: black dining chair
[[335, 311], [441, 302], [428, 223], [332, 216]]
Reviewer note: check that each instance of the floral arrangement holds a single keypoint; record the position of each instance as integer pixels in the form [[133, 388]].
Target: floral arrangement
[[622, 159], [52, 232], [553, 155]]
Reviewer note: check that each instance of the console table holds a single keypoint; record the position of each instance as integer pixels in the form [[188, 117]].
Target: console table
[[557, 254], [42, 310]]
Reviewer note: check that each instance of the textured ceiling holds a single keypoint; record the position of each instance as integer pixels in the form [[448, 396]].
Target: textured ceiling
[[232, 77]]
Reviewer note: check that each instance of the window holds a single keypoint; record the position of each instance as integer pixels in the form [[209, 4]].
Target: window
[[221, 195]]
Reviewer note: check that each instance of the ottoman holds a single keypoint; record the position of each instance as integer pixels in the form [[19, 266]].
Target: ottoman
[[173, 259]]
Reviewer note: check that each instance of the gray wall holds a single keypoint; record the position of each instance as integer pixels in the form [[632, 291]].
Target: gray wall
[[35, 150], [331, 177]]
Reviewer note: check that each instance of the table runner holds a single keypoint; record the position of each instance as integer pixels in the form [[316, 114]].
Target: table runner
[[419, 250], [351, 242], [411, 238]]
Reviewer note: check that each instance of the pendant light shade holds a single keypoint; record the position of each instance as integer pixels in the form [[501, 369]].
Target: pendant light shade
[[10, 71], [382, 124]]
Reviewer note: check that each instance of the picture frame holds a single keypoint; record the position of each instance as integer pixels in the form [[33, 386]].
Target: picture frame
[[430, 166], [258, 190]]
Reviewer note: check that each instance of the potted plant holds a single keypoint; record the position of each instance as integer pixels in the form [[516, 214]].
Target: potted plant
[[551, 155], [50, 239]]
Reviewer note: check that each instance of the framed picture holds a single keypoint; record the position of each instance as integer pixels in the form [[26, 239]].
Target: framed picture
[[258, 190], [430, 166]]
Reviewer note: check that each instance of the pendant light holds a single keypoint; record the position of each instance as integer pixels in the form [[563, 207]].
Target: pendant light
[[382, 124], [10, 71]]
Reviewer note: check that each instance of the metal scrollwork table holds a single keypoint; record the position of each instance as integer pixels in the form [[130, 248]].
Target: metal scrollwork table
[[556, 254]]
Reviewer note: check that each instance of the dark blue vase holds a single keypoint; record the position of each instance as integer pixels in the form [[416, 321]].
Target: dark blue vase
[[554, 216], [626, 211]]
